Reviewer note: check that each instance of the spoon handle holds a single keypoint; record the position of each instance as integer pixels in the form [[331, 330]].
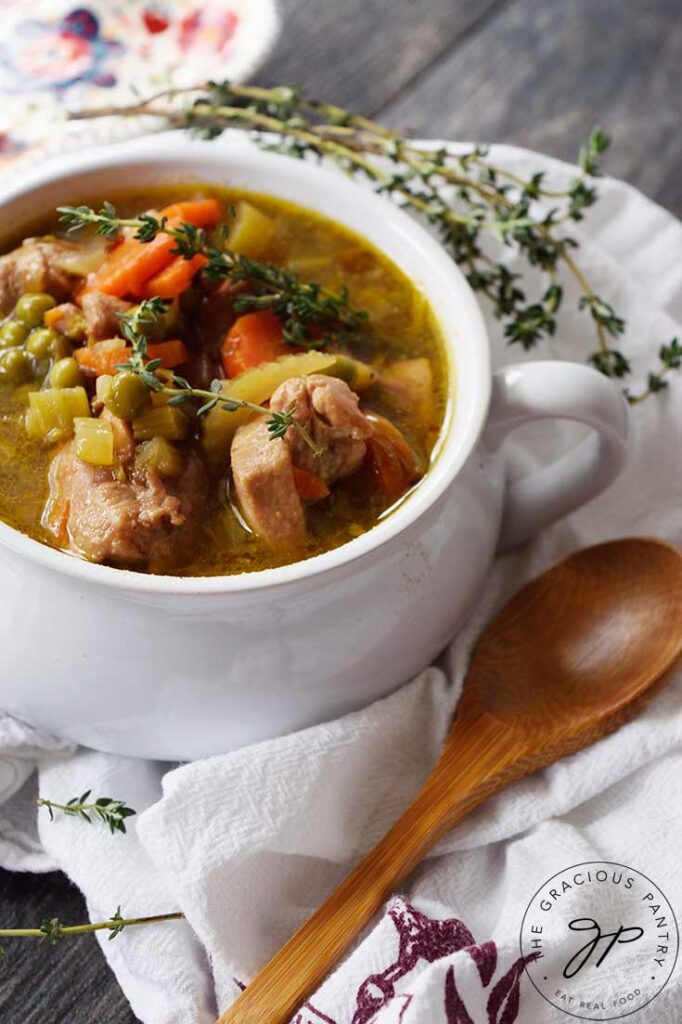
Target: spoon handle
[[474, 764]]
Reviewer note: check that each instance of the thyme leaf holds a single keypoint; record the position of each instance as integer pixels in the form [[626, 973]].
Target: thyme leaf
[[670, 358]]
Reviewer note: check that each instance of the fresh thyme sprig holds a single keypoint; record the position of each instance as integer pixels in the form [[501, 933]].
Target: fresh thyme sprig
[[463, 195], [52, 930], [134, 327], [112, 812], [310, 314], [670, 358]]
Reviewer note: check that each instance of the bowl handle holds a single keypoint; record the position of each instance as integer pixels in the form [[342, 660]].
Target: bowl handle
[[557, 390]]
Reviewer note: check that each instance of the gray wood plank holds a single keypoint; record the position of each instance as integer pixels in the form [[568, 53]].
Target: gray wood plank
[[361, 53], [541, 73]]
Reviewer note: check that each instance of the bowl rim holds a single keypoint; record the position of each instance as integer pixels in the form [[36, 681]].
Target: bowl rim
[[314, 180]]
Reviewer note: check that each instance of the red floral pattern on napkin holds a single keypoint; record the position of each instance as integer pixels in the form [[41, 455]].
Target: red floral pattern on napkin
[[422, 939]]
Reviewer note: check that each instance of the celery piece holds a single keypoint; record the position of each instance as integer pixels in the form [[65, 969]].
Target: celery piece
[[94, 439], [52, 412], [159, 455], [251, 231], [102, 385], [358, 375], [165, 421]]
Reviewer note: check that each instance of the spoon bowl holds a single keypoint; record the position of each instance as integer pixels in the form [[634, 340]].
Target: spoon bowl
[[583, 641], [572, 656]]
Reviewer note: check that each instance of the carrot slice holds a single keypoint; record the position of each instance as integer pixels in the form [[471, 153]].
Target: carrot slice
[[104, 358], [253, 339], [392, 460], [310, 486], [101, 358], [175, 278], [203, 213], [131, 263], [171, 353]]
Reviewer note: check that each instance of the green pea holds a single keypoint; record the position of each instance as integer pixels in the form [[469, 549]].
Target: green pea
[[16, 366], [66, 374], [13, 333], [41, 342], [32, 306], [60, 347], [127, 395]]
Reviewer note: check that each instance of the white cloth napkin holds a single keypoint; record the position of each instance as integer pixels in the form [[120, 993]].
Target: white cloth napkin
[[248, 844]]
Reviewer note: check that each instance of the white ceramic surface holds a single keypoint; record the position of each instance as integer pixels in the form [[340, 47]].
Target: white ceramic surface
[[175, 668]]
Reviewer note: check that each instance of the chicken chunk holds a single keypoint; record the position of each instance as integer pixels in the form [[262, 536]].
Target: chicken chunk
[[68, 319], [329, 411], [263, 468], [263, 474], [101, 313], [127, 515], [33, 267]]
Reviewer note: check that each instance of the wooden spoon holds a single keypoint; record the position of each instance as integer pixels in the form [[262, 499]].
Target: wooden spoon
[[572, 656]]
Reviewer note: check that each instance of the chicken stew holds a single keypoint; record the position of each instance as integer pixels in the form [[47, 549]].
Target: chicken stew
[[206, 382]]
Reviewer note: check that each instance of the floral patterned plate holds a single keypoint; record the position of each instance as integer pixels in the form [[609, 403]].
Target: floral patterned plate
[[56, 57]]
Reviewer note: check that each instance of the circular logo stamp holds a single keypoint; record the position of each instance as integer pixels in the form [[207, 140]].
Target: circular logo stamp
[[603, 940]]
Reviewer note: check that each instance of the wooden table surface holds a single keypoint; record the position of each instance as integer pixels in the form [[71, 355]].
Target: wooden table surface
[[538, 73]]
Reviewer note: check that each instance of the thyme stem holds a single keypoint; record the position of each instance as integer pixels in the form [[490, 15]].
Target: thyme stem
[[52, 929], [229, 404], [587, 292], [344, 153], [112, 812], [487, 199]]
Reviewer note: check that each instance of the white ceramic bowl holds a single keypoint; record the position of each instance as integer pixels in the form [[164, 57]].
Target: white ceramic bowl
[[179, 668]]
